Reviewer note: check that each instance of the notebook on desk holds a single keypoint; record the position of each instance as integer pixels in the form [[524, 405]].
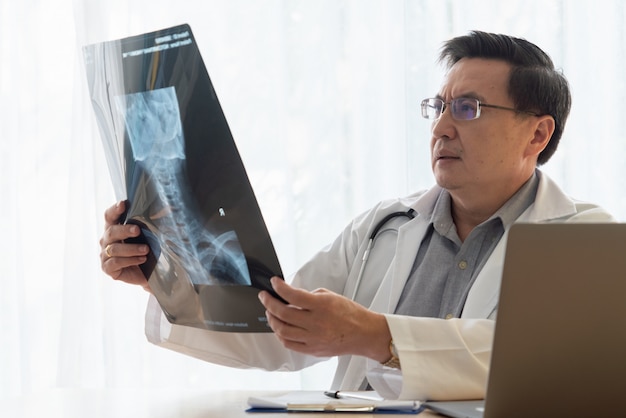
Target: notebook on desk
[[560, 338]]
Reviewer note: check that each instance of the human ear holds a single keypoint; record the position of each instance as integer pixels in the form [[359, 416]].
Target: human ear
[[543, 130]]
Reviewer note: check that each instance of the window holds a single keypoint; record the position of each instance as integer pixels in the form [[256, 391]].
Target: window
[[316, 93]]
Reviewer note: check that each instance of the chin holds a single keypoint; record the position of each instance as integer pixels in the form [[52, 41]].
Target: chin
[[446, 182]]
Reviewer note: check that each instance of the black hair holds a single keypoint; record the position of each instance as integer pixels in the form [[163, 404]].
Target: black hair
[[534, 84]]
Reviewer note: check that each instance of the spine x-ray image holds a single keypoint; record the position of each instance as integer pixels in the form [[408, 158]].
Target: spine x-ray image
[[156, 138], [171, 154]]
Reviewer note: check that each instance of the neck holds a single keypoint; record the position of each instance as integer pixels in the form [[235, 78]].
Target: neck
[[466, 218], [471, 209]]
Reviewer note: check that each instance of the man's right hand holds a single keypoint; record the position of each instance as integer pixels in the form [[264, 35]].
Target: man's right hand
[[118, 259]]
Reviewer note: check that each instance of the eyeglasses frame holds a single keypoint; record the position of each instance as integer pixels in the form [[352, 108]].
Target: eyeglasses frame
[[480, 104]]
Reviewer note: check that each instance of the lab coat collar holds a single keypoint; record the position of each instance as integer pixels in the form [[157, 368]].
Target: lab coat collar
[[550, 202]]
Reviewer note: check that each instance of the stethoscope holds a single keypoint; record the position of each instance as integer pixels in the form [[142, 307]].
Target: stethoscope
[[410, 214]]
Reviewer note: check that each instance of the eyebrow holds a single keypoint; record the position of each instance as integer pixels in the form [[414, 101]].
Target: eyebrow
[[469, 95], [474, 95]]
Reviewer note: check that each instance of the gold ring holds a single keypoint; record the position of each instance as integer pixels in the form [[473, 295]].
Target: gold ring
[[107, 251]]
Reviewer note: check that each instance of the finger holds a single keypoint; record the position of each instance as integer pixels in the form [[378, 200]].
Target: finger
[[131, 275], [122, 250], [288, 320], [286, 313], [114, 266], [116, 233], [113, 213], [298, 297], [299, 339], [121, 262], [106, 252], [286, 331]]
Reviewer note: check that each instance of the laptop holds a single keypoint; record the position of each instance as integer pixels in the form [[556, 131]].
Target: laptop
[[559, 347]]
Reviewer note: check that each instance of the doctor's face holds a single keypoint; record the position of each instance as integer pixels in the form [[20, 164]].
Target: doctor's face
[[487, 155]]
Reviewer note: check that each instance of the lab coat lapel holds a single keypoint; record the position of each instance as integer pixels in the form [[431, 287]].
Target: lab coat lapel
[[550, 203], [482, 299], [409, 239]]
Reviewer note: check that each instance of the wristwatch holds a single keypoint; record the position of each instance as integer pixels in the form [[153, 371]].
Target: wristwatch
[[394, 361]]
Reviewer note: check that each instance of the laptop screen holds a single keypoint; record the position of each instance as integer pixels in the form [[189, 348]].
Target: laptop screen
[[560, 336]]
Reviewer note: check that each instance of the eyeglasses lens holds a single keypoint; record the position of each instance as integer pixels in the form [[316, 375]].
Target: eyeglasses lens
[[431, 108], [461, 108], [464, 109]]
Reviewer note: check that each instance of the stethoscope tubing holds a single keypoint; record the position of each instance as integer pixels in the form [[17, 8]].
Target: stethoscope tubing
[[410, 214]]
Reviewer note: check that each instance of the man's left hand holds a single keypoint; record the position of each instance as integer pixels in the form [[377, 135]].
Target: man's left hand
[[324, 323]]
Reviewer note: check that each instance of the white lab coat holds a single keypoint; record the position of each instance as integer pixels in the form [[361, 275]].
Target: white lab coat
[[441, 359]]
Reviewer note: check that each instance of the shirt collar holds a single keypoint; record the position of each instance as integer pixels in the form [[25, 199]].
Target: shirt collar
[[519, 202], [441, 217]]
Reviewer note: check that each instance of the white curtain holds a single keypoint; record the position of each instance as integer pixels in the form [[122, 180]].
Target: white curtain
[[323, 101]]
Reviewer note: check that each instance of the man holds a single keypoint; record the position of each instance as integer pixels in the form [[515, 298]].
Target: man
[[417, 320]]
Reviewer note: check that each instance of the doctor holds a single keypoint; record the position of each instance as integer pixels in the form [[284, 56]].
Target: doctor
[[416, 321]]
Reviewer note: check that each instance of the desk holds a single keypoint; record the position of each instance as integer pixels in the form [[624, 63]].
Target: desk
[[159, 403]]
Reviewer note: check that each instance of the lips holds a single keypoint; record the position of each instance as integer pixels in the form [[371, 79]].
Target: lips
[[445, 150], [445, 156]]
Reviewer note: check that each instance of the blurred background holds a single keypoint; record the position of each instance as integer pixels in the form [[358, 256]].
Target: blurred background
[[322, 98]]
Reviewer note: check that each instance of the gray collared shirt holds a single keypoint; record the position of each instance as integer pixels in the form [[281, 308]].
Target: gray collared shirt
[[445, 268]]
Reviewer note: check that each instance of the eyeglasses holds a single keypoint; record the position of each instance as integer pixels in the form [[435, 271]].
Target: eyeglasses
[[463, 108]]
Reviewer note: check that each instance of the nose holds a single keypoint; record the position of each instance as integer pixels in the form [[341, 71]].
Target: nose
[[444, 126]]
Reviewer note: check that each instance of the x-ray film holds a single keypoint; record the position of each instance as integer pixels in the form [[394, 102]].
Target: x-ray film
[[171, 154]]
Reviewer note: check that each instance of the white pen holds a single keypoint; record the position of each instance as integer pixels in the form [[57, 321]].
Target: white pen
[[337, 394]]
